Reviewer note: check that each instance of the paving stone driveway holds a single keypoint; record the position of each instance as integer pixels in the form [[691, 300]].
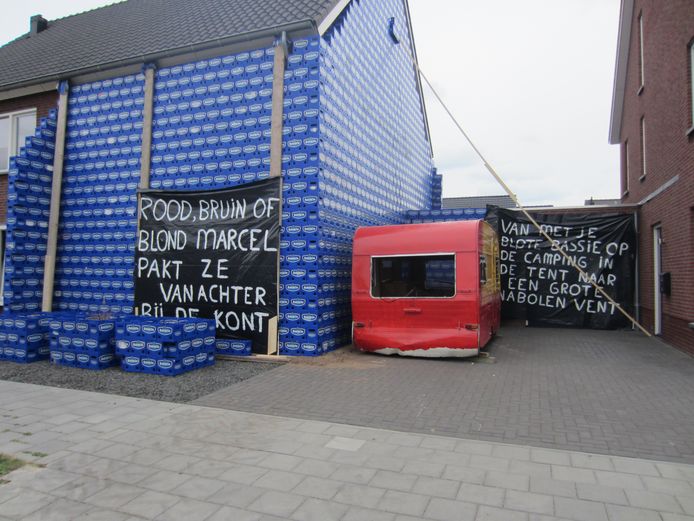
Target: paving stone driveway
[[113, 458], [608, 392]]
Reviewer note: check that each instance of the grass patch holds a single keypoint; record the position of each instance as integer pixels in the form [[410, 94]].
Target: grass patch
[[8, 464], [35, 454]]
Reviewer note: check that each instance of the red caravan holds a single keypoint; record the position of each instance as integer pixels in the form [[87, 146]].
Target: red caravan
[[429, 290]]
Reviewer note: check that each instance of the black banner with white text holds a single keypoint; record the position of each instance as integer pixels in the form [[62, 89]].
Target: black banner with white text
[[539, 284], [211, 254]]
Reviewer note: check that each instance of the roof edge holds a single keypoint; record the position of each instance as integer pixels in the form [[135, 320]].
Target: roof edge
[[332, 15], [257, 34], [620, 76]]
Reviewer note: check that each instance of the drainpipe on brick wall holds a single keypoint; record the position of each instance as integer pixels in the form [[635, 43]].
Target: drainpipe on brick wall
[[54, 216]]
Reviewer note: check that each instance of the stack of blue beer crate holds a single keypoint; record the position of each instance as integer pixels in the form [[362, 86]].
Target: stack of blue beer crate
[[165, 346], [82, 340], [28, 206], [234, 347], [445, 215], [355, 153], [24, 337], [98, 222], [436, 190]]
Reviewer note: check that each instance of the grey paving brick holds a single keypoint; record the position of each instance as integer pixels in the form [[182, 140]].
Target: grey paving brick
[[230, 513], [114, 495], [449, 510], [507, 480], [316, 468], [464, 474], [96, 514], [319, 510], [482, 495], [424, 468], [687, 503], [634, 466], [676, 517], [654, 501], [668, 486], [553, 487], [279, 480], [579, 509], [150, 504], [360, 495], [530, 468], [25, 503], [435, 487], [591, 461], [189, 510], [620, 480], [236, 495], [198, 488], [403, 503], [529, 502], [58, 510], [393, 480], [601, 493], [573, 474], [278, 504], [621, 513], [244, 474], [486, 513], [361, 514], [353, 474], [319, 488]]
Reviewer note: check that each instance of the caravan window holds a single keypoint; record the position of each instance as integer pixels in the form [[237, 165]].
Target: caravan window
[[416, 276]]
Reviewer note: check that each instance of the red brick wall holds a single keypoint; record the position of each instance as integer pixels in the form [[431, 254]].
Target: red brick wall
[[665, 103], [43, 103]]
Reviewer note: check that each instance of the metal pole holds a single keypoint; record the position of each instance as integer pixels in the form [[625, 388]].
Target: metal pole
[[54, 216], [276, 128]]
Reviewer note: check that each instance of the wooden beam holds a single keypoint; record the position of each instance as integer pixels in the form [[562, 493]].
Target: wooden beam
[[56, 188], [276, 124], [276, 128], [147, 119]]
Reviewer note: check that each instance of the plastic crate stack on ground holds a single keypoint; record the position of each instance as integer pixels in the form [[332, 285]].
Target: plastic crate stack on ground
[[375, 155], [436, 190], [165, 346], [28, 203], [98, 220], [433, 216], [82, 341], [24, 337]]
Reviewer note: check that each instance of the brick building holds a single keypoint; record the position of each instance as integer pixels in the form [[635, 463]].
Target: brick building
[[653, 122]]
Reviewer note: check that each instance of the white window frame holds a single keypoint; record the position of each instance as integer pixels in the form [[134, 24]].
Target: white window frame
[[691, 80], [626, 167], [644, 170], [13, 116], [642, 74]]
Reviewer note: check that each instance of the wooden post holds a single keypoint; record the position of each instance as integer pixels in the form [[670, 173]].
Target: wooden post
[[56, 188], [146, 153], [147, 119], [276, 127]]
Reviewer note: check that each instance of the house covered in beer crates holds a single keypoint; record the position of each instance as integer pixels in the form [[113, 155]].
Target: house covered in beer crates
[[178, 95]]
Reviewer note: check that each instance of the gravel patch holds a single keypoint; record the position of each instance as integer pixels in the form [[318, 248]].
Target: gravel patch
[[180, 389]]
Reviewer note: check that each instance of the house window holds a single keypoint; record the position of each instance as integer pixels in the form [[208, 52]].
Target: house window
[[643, 149], [14, 128], [641, 63], [415, 276]]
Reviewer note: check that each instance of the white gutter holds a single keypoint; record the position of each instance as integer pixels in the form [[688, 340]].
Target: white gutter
[[620, 76]]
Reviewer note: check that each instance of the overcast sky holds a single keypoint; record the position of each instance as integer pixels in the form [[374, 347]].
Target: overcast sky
[[530, 81]]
